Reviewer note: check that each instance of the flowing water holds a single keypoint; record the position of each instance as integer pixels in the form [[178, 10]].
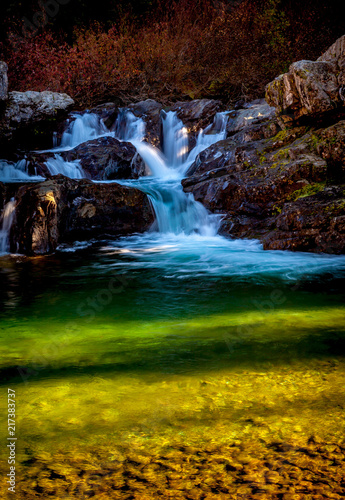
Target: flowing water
[[143, 346], [6, 220]]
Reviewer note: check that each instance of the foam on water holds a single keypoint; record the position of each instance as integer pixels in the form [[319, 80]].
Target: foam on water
[[14, 172], [191, 256]]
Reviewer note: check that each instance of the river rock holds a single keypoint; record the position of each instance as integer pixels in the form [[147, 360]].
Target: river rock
[[310, 88], [275, 189], [106, 158], [312, 223], [30, 117], [256, 113], [195, 115], [63, 210], [198, 113], [3, 81], [31, 107]]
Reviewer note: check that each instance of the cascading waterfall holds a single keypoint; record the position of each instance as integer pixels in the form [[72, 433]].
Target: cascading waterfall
[[176, 211], [14, 172], [7, 218], [212, 134], [175, 140], [58, 165], [83, 128]]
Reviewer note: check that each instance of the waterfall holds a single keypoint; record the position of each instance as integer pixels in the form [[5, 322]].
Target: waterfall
[[212, 134], [7, 218], [81, 129], [175, 140], [128, 127], [176, 211], [14, 172], [58, 165]]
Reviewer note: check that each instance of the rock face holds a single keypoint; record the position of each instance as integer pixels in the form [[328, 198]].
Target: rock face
[[107, 158], [284, 187], [310, 88], [31, 107], [29, 114], [3, 81], [280, 190], [104, 158], [61, 210], [198, 113], [255, 113], [149, 111]]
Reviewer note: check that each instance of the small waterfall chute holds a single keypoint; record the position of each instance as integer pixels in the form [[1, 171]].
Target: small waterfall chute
[[58, 165], [215, 132], [82, 128], [176, 211], [14, 172], [7, 218], [175, 139], [128, 127]]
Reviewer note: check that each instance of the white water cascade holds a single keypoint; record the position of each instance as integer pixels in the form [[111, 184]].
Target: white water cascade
[[14, 172], [7, 218], [175, 140], [58, 165], [176, 211], [83, 128]]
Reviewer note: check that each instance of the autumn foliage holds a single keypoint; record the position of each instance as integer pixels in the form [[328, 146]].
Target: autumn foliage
[[189, 50]]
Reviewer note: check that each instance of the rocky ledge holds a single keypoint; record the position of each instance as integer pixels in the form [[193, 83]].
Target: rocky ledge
[[281, 178], [64, 210]]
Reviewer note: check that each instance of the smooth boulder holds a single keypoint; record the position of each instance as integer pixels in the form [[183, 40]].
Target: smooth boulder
[[310, 88], [64, 210]]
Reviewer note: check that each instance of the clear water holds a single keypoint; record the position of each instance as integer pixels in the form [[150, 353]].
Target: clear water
[[175, 337]]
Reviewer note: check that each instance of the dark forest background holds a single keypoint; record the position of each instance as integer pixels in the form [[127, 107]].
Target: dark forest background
[[104, 50]]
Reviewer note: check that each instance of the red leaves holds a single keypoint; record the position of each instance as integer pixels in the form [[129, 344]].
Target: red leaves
[[190, 48]]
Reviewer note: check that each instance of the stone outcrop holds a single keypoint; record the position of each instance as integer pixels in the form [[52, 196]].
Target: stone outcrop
[[198, 113], [3, 82], [310, 88], [62, 210], [32, 115], [107, 158], [276, 189], [104, 158], [255, 113], [284, 187]]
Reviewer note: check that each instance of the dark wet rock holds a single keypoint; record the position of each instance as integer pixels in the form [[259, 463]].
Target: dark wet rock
[[149, 111], [311, 223], [107, 112], [195, 115], [198, 113], [106, 158], [310, 88], [256, 113], [278, 190], [330, 145], [61, 210], [29, 118]]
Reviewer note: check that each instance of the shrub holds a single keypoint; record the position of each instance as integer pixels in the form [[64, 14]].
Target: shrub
[[187, 50]]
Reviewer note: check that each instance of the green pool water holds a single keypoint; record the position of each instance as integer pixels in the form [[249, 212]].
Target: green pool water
[[147, 344]]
